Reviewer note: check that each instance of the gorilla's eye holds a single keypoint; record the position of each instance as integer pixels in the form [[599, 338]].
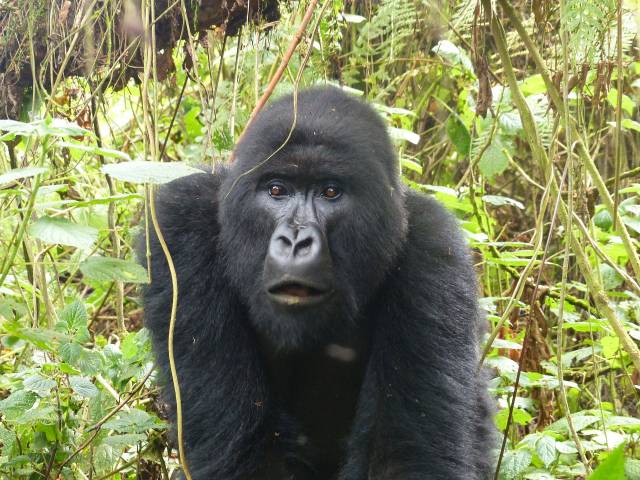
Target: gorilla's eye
[[277, 190], [331, 192]]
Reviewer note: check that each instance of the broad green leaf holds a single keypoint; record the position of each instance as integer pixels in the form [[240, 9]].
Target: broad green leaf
[[610, 278], [546, 450], [140, 171], [107, 268], [610, 346], [459, 134], [17, 403], [629, 124], [603, 220], [579, 422], [519, 417], [73, 321], [124, 440], [19, 173], [627, 103], [39, 384], [494, 161], [514, 463], [612, 468], [62, 231], [39, 413], [133, 421], [87, 361], [83, 386]]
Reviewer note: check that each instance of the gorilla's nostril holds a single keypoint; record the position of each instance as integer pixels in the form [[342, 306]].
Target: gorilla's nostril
[[303, 247]]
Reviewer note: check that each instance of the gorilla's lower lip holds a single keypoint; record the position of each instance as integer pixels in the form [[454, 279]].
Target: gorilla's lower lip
[[292, 293]]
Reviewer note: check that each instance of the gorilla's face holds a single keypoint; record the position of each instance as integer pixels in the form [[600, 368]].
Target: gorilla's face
[[310, 233]]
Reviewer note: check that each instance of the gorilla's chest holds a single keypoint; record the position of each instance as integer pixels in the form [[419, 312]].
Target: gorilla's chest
[[319, 392]]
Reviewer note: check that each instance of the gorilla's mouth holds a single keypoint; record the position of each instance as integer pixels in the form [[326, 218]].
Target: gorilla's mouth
[[292, 293]]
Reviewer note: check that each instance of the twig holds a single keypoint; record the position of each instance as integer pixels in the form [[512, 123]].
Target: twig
[[285, 61]]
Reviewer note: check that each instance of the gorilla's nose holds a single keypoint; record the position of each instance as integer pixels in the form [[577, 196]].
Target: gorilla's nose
[[296, 243], [298, 262]]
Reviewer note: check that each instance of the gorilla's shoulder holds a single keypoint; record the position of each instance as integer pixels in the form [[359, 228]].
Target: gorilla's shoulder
[[190, 204], [434, 231]]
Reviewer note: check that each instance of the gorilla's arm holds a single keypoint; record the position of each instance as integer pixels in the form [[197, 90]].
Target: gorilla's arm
[[224, 399], [422, 412]]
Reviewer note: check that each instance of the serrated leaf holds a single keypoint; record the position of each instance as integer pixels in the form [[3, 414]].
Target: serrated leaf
[[87, 361], [40, 413], [546, 450], [107, 269], [579, 422], [514, 463], [73, 321], [140, 171], [83, 386], [16, 404], [62, 231], [19, 173], [133, 421], [39, 384], [612, 468], [124, 440]]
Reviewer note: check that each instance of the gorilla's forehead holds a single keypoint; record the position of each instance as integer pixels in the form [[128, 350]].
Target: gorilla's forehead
[[324, 132]]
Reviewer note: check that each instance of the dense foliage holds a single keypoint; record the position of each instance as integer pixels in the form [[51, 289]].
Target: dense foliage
[[526, 125]]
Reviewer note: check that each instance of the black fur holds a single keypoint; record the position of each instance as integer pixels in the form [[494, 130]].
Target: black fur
[[380, 383]]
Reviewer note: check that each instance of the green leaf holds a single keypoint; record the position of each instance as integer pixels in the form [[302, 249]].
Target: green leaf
[[612, 468], [580, 422], [632, 469], [62, 231], [629, 124], [87, 361], [73, 321], [514, 463], [546, 450], [610, 278], [107, 269], [16, 404], [493, 161], [520, 417], [59, 127], [603, 220], [459, 134], [133, 421], [411, 165], [610, 346], [627, 103], [499, 200], [124, 440], [39, 384], [19, 173], [83, 386], [453, 54], [140, 171], [95, 150]]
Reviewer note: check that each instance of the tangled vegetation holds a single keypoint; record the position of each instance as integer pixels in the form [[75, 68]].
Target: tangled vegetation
[[523, 118]]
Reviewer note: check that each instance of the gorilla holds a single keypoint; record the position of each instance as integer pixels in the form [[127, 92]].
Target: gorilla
[[327, 324]]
